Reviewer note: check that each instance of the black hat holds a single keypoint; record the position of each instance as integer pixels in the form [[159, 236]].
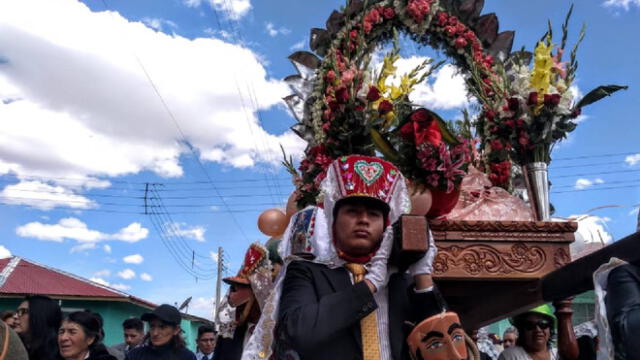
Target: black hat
[[164, 312]]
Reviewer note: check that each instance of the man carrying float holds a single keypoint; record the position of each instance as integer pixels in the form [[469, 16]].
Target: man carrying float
[[345, 300]]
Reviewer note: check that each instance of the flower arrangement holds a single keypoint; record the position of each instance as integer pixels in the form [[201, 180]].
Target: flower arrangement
[[528, 108]]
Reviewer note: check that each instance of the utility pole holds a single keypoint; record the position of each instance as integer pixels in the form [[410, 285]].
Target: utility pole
[[218, 283]]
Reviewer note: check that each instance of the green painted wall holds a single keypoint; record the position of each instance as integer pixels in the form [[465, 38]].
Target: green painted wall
[[113, 313]]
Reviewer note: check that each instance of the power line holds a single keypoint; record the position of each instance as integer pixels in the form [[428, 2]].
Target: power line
[[598, 173], [595, 156]]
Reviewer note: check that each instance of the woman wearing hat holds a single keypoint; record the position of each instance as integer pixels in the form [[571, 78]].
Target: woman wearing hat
[[164, 340], [536, 327]]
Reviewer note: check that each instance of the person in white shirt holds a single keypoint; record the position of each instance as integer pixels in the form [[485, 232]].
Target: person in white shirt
[[206, 342]]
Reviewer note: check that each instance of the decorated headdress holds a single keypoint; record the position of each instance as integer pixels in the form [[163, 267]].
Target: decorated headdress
[[368, 177], [256, 256]]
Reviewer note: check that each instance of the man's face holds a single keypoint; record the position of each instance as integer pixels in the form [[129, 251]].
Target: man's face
[[206, 343], [358, 229], [132, 337], [440, 337], [509, 340], [536, 331]]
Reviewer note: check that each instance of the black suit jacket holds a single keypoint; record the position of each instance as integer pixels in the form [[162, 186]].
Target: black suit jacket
[[623, 310], [320, 311], [230, 349]]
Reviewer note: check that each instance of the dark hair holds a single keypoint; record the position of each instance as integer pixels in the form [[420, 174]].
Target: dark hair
[[519, 324], [6, 314], [206, 329], [177, 341], [91, 325], [364, 201], [45, 317], [133, 323], [587, 348]]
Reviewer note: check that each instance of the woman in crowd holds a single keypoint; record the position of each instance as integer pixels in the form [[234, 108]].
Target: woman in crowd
[[536, 328], [37, 322], [80, 338], [164, 340], [9, 318]]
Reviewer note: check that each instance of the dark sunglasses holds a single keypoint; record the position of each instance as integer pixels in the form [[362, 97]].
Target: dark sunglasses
[[531, 325]]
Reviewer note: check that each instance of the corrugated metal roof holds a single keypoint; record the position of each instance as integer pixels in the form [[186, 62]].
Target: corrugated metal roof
[[28, 277]]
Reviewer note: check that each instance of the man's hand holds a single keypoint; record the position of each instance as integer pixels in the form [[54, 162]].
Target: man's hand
[[371, 286]]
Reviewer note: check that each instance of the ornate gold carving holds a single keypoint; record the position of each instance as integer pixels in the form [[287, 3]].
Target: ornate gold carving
[[477, 259], [561, 258]]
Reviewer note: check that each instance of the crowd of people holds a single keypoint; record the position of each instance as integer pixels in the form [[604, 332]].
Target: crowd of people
[[38, 330], [333, 289]]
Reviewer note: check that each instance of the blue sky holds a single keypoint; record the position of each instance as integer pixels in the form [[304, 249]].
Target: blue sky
[[106, 104]]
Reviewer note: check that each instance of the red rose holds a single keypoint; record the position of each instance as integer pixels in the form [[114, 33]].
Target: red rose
[[342, 94], [353, 34], [331, 76], [510, 123], [388, 13], [490, 115], [385, 107], [460, 29], [533, 98], [551, 100], [420, 116], [453, 21], [326, 126], [514, 104], [433, 134], [451, 30], [373, 94], [460, 42], [406, 131], [470, 35], [496, 145]]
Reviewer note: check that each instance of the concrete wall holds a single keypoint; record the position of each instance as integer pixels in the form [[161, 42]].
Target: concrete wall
[[113, 313]]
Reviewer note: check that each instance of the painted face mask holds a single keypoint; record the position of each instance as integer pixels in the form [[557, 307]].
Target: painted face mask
[[439, 337]]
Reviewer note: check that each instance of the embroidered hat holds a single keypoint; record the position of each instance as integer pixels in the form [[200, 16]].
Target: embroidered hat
[[368, 177], [256, 256]]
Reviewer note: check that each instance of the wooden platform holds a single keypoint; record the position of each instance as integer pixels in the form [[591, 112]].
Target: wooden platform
[[490, 270]]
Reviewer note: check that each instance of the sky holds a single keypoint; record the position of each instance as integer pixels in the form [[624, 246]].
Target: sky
[[138, 137]]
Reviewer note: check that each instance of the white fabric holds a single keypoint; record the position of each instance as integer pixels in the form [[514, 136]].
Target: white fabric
[[201, 356], [518, 353], [600, 282], [425, 264]]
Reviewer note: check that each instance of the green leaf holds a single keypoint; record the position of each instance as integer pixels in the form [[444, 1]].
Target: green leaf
[[599, 93], [384, 146]]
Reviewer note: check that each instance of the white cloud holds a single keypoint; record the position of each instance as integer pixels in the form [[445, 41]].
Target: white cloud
[[74, 229], [121, 287], [202, 307], [43, 196], [102, 273], [192, 3], [99, 281], [632, 160], [582, 184], [107, 249], [88, 86], [4, 252], [157, 23], [299, 45], [133, 259], [146, 277], [127, 274], [591, 235], [183, 230], [625, 4], [273, 31], [233, 9], [214, 256], [445, 89]]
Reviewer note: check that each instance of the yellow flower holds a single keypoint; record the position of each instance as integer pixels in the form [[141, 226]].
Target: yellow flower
[[541, 74]]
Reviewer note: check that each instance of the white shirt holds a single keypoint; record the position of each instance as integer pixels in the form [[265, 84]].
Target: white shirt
[[518, 353], [201, 356]]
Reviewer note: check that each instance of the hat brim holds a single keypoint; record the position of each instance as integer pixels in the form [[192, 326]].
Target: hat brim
[[148, 317], [232, 280]]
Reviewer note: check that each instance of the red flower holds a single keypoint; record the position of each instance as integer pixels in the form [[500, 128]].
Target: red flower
[[385, 107], [514, 104], [461, 29], [533, 98], [523, 140], [453, 21], [470, 35], [510, 123], [421, 129], [388, 13], [353, 34], [490, 115], [326, 126], [342, 94], [551, 100], [373, 94], [496, 145], [442, 18], [418, 9], [460, 42], [450, 30], [330, 77]]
